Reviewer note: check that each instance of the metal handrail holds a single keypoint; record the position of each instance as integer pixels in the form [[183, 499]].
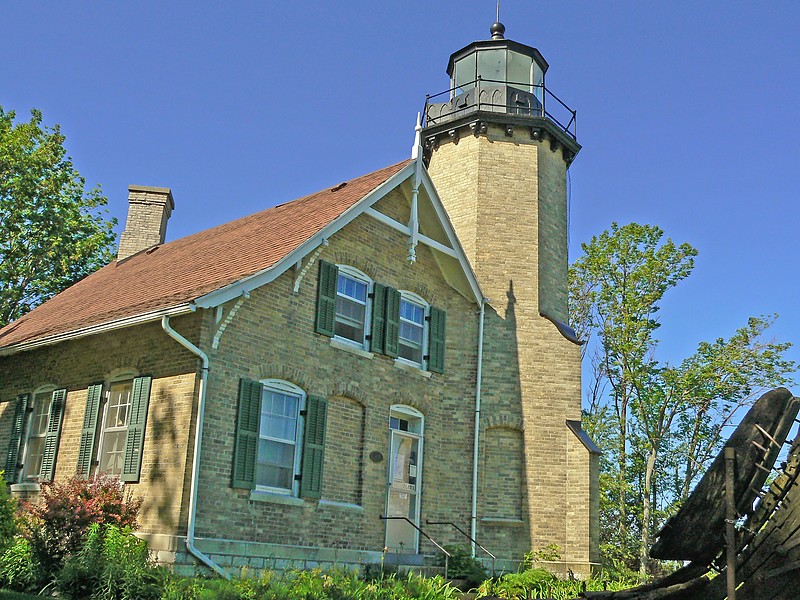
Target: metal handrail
[[430, 539], [570, 128], [466, 535]]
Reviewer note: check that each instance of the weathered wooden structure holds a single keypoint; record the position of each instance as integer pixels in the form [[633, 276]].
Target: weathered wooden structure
[[767, 539]]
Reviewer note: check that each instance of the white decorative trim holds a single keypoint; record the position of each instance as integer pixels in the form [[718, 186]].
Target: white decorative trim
[[387, 220], [309, 264], [351, 348], [228, 318]]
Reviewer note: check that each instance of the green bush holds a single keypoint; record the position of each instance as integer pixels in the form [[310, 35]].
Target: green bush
[[462, 565], [8, 515], [18, 571], [112, 564], [57, 524]]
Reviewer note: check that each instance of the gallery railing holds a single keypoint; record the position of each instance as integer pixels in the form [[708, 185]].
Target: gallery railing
[[500, 97]]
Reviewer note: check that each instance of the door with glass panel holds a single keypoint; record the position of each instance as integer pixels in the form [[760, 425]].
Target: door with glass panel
[[405, 476]]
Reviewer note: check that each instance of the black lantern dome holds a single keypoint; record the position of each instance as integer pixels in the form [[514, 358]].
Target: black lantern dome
[[498, 79]]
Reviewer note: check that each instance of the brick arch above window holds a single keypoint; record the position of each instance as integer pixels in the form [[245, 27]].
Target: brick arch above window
[[284, 372], [349, 390], [504, 420], [368, 268]]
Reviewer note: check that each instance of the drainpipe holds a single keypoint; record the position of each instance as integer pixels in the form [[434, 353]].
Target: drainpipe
[[198, 435], [474, 515]]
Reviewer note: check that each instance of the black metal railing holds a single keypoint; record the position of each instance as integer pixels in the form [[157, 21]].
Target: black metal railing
[[429, 538], [466, 535], [545, 100]]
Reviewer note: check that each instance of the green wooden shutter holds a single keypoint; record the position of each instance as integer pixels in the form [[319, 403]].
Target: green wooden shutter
[[134, 439], [378, 329], [313, 447], [53, 435], [392, 342], [247, 432], [326, 298], [86, 447], [17, 431], [436, 337]]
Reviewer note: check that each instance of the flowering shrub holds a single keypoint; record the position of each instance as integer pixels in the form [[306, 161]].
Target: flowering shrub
[[57, 523]]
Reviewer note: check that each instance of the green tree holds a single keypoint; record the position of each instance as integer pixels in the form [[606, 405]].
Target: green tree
[[662, 423], [53, 232]]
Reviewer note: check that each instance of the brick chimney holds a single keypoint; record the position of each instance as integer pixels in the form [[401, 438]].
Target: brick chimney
[[149, 208]]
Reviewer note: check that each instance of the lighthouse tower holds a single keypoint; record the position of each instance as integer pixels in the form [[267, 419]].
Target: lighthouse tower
[[498, 145]]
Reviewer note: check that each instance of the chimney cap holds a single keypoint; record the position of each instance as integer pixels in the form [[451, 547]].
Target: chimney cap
[[153, 190]]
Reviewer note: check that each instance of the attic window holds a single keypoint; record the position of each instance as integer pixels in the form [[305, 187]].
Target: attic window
[[338, 187]]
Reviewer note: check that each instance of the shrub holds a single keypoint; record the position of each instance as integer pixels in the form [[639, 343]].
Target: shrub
[[8, 511], [58, 522], [112, 564], [462, 565], [18, 571]]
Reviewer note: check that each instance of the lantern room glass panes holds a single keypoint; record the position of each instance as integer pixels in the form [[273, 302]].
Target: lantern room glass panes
[[465, 74], [492, 65], [351, 308], [277, 445], [519, 70]]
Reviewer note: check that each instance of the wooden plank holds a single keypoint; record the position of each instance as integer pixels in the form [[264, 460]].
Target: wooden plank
[[695, 532]]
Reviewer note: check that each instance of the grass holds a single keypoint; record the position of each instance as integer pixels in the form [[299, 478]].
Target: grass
[[16, 596]]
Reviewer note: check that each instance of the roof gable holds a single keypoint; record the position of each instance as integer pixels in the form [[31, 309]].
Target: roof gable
[[211, 267]]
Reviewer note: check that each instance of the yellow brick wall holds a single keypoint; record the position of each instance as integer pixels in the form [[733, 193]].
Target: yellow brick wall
[[75, 365], [272, 336], [507, 196]]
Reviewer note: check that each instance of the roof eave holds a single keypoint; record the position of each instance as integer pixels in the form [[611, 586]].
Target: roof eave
[[146, 317]]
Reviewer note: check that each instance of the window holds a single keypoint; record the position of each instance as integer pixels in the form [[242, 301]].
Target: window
[[119, 410], [280, 439], [115, 428], [412, 328], [352, 291], [35, 434]]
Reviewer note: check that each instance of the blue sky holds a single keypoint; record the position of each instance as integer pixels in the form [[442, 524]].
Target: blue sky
[[687, 113]]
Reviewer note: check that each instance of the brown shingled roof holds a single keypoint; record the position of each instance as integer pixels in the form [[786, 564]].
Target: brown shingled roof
[[181, 271]]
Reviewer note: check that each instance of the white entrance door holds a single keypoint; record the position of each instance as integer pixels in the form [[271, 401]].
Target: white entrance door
[[405, 473]]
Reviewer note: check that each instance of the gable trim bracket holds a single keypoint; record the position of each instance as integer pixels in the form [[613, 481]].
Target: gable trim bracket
[[310, 263], [222, 324]]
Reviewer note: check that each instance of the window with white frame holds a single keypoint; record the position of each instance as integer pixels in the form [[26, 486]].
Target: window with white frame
[[352, 304], [412, 337], [280, 437], [115, 428], [37, 432]]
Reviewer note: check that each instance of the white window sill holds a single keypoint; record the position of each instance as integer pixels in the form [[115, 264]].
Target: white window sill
[[503, 521], [411, 367], [25, 487], [262, 496], [343, 505], [352, 349]]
